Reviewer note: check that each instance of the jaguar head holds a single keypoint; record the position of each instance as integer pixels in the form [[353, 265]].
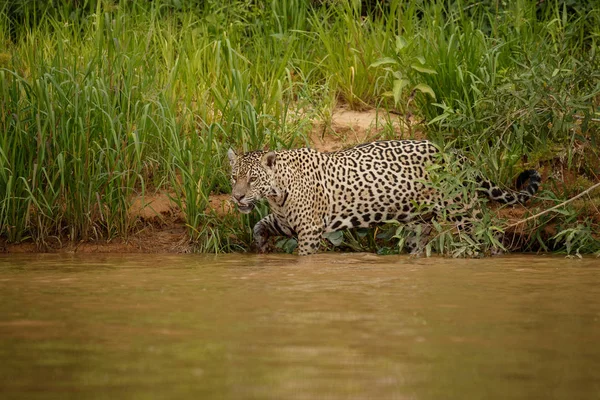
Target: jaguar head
[[250, 181]]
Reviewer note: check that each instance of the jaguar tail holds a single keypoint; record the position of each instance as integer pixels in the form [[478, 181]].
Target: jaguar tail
[[521, 195]]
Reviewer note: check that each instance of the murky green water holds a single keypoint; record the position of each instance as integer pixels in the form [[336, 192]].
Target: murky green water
[[281, 327]]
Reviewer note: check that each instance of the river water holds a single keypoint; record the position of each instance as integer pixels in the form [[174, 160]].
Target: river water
[[330, 326]]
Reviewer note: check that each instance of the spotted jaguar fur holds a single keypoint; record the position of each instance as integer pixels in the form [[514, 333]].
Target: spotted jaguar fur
[[311, 193]]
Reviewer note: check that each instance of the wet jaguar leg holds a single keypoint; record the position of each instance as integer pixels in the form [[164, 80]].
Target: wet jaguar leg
[[270, 225], [309, 239], [418, 236]]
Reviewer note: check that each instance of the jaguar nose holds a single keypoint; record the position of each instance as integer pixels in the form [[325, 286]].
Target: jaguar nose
[[238, 196]]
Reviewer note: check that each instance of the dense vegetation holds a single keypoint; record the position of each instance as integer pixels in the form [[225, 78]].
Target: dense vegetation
[[104, 100]]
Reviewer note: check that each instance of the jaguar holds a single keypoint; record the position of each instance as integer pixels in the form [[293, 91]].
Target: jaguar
[[311, 193]]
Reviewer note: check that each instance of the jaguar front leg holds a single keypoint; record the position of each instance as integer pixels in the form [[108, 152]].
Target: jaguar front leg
[[418, 237], [309, 240], [270, 225]]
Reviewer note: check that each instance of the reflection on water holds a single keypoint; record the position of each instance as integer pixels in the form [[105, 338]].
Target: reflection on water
[[338, 326]]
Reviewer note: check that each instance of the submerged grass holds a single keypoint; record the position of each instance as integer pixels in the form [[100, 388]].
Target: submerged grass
[[104, 100]]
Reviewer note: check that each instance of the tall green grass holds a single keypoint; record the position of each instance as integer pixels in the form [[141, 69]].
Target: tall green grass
[[106, 100]]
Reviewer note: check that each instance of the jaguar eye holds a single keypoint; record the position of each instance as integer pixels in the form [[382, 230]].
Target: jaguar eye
[[251, 179]]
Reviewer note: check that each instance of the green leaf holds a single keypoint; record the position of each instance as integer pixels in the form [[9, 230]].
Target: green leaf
[[383, 61], [336, 238], [424, 70], [397, 74], [423, 88], [362, 232], [441, 243], [400, 43], [439, 118], [399, 84], [288, 245], [421, 59], [563, 211]]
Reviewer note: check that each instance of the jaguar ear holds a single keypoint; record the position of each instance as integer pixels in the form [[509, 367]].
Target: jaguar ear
[[268, 160], [232, 156]]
